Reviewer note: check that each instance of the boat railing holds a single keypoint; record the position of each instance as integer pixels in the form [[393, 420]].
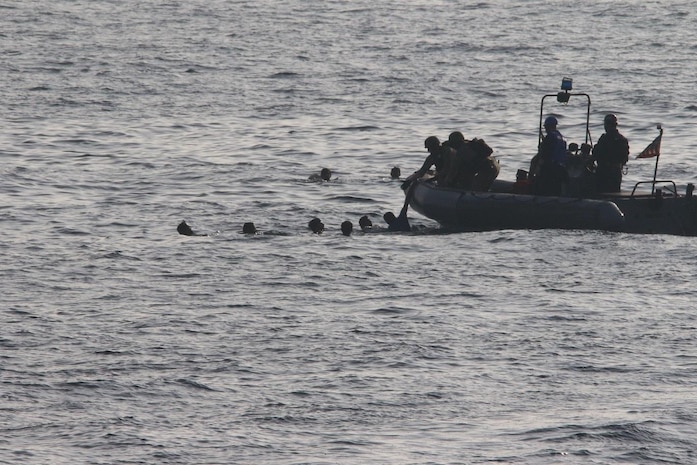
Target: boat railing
[[563, 97], [653, 183]]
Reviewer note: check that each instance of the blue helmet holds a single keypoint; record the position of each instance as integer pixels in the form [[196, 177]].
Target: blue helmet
[[551, 122]]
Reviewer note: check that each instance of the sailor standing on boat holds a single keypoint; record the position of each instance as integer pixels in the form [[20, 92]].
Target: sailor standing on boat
[[552, 158], [611, 153]]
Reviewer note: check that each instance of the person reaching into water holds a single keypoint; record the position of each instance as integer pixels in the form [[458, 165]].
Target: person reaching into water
[[550, 161], [438, 156], [611, 153]]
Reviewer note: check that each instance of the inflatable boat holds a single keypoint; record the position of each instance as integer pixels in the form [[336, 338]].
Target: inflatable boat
[[660, 212]]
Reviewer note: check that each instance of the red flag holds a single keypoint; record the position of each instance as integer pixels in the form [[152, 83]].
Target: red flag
[[653, 149]]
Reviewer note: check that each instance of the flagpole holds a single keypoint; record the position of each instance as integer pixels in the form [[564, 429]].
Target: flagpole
[[655, 169]]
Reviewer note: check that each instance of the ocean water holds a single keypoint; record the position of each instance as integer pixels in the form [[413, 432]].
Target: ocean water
[[123, 342]]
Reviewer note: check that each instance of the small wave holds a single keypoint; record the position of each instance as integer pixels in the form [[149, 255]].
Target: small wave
[[391, 311], [606, 369], [284, 75], [643, 433], [77, 141], [353, 199], [118, 255], [194, 384], [181, 275], [352, 442], [358, 128], [73, 232]]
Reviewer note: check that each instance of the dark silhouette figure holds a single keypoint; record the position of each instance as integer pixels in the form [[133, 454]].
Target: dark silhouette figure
[[316, 225], [395, 223], [184, 229], [324, 175], [611, 153], [346, 228], [551, 161], [438, 156]]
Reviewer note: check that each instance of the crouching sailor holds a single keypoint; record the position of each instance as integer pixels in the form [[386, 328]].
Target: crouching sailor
[[438, 156], [473, 167]]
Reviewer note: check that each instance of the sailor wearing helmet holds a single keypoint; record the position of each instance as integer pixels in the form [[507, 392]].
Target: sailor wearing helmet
[[552, 159], [438, 155]]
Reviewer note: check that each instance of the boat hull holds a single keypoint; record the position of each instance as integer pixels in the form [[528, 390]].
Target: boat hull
[[481, 211]]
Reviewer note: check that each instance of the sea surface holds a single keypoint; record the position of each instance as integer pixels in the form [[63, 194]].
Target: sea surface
[[123, 342]]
